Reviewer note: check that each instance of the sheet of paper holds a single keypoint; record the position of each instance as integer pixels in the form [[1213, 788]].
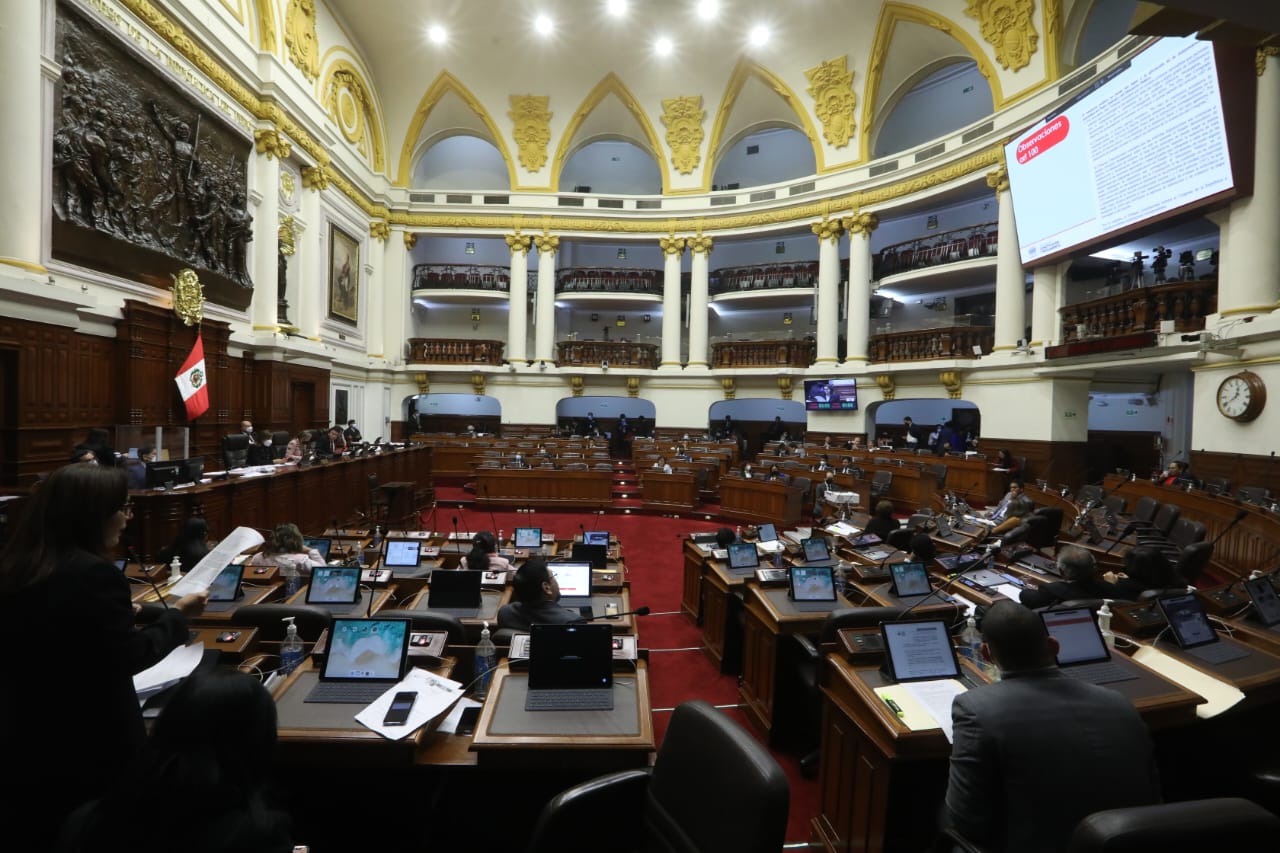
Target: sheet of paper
[[449, 725], [1011, 591], [936, 697], [175, 666], [206, 571], [968, 605], [1218, 694], [435, 694], [843, 528]]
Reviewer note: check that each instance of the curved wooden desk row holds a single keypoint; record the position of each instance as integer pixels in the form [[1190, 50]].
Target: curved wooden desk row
[[312, 497], [543, 488]]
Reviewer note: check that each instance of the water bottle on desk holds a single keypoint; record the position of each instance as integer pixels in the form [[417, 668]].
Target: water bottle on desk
[[292, 577], [486, 662], [291, 652]]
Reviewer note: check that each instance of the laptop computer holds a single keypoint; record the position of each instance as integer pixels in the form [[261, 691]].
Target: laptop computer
[[1190, 627], [1266, 604], [321, 545], [595, 537], [365, 658], [456, 593], [574, 580], [224, 592], [919, 651], [909, 580], [529, 539], [1082, 653], [812, 588], [335, 588], [570, 668], [743, 557], [401, 554], [596, 555], [816, 552]]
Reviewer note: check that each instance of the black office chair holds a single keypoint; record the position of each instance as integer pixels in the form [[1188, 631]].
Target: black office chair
[[269, 620], [1092, 493], [279, 444], [713, 787], [1254, 495], [1145, 510], [1223, 823], [235, 450], [1193, 561], [881, 482]]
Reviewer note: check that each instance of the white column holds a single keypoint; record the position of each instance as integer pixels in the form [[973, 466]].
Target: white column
[[395, 303], [1246, 274], [858, 335], [265, 246], [312, 284], [828, 232], [672, 253], [21, 170], [518, 312], [699, 300], [374, 337], [1011, 289], [1046, 298], [544, 347]]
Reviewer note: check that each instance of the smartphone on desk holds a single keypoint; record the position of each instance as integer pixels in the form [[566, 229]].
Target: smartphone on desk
[[401, 703], [467, 722]]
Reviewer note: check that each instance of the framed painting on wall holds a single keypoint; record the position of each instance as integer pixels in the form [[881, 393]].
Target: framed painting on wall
[[344, 276]]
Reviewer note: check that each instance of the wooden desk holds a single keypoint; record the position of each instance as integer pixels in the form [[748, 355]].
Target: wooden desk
[[722, 597], [237, 650], [661, 491], [508, 737], [544, 488], [381, 595], [757, 500]]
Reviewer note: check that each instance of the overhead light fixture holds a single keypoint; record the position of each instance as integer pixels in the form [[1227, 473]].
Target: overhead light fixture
[[544, 25], [437, 34], [617, 8], [663, 46], [759, 35], [470, 248], [707, 9]]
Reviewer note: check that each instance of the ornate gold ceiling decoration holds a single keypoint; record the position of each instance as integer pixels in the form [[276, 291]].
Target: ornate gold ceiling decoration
[[270, 142], [1007, 26], [532, 129], [300, 37], [349, 102], [683, 118], [266, 26], [831, 85]]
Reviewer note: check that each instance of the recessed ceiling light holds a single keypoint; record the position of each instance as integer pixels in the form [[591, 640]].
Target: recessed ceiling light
[[707, 9], [543, 25], [759, 35], [663, 46], [437, 34], [617, 8]]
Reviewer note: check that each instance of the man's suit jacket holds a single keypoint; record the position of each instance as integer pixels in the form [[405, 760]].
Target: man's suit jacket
[[1036, 753]]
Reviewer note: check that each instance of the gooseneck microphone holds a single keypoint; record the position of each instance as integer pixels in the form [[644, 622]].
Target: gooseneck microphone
[[146, 573], [972, 567], [456, 538], [1240, 515], [492, 520], [639, 611]]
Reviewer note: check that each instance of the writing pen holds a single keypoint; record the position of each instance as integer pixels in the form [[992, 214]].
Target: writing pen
[[893, 706]]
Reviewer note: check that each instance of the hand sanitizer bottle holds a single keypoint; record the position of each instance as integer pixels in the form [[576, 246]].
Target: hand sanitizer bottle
[[175, 570], [291, 653]]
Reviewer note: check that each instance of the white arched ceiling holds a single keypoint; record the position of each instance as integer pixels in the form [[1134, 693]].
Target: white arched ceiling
[[757, 107], [460, 161], [943, 99], [616, 166], [915, 48]]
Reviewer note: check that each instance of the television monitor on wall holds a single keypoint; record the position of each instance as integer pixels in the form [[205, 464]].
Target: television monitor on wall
[[830, 395], [1160, 135]]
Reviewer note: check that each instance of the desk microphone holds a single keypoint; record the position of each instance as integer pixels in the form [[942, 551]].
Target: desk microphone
[[456, 538], [1239, 518], [492, 520], [1128, 528], [146, 573], [465, 527], [639, 611], [973, 567]]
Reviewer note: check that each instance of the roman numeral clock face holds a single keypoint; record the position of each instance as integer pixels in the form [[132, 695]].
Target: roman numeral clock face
[[1241, 396]]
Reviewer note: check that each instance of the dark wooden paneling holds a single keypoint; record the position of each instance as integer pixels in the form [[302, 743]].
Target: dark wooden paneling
[[1241, 469]]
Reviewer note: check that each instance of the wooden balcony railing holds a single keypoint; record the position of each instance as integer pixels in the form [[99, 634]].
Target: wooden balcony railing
[[609, 280], [923, 344], [617, 353], [1141, 310], [461, 277], [454, 351], [763, 277], [762, 353]]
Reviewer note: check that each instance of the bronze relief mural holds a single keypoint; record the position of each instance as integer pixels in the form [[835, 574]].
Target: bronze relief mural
[[144, 181]]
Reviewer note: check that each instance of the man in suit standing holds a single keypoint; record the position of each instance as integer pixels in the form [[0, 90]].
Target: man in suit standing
[[1038, 751]]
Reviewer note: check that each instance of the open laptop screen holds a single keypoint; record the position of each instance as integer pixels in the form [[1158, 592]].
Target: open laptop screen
[[367, 649], [1079, 640], [226, 586], [918, 651], [321, 545], [813, 583], [768, 532], [596, 537], [909, 579], [332, 585], [743, 555], [574, 579], [1265, 600], [401, 553], [528, 537]]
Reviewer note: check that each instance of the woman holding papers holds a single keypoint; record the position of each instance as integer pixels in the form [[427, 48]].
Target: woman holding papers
[[70, 723]]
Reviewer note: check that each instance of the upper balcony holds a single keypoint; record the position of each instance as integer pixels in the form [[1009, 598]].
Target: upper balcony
[[759, 284], [461, 282], [594, 286]]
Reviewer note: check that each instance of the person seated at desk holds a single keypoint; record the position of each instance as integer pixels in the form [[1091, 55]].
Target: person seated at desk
[[882, 523], [1001, 510], [85, 455], [824, 463], [827, 484], [748, 471], [285, 545], [1006, 462], [661, 465], [296, 449], [1177, 474], [337, 444], [136, 469], [725, 537], [1036, 752], [484, 555], [846, 465], [777, 430], [921, 549], [1081, 580], [854, 443], [1144, 568], [211, 752], [98, 443], [190, 545], [1015, 513], [536, 595], [775, 474], [351, 434]]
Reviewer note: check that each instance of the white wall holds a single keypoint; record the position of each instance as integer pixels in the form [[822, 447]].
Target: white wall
[[784, 154], [947, 100], [461, 163], [612, 167]]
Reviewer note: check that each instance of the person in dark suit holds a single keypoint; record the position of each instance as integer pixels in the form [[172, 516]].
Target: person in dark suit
[[827, 484], [1038, 751], [67, 620], [1080, 580], [537, 599], [882, 523]]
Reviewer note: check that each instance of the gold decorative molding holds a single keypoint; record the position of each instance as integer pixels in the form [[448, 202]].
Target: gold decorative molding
[[831, 85], [611, 84], [477, 382], [424, 382], [1261, 57], [998, 179], [380, 230], [315, 178], [546, 243], [188, 297], [633, 386], [29, 266], [887, 388], [300, 37], [532, 131], [269, 141], [1053, 18], [287, 235], [730, 388], [410, 240], [518, 242], [700, 245], [266, 26], [576, 384], [288, 186], [446, 84], [683, 118], [950, 380], [827, 229], [671, 245], [862, 223], [929, 180], [785, 387], [1008, 27], [348, 100]]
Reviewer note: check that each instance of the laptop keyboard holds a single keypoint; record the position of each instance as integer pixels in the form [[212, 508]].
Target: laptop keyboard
[[345, 692], [1102, 672], [569, 700], [1218, 653]]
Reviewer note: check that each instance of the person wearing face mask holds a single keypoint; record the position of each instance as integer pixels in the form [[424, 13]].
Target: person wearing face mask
[[351, 434], [136, 470]]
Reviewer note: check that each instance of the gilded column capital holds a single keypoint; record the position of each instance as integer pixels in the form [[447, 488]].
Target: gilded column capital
[[887, 388], [785, 387], [380, 230], [547, 243], [576, 385], [998, 179], [424, 382], [671, 245], [1261, 57], [950, 380], [730, 387], [828, 229], [477, 383], [272, 142], [410, 240], [700, 245], [316, 177], [518, 242], [633, 386], [862, 223]]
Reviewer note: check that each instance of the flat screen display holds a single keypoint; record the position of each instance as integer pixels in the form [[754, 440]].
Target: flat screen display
[[831, 395]]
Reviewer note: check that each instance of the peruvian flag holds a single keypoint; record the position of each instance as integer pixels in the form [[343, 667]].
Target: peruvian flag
[[193, 381]]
